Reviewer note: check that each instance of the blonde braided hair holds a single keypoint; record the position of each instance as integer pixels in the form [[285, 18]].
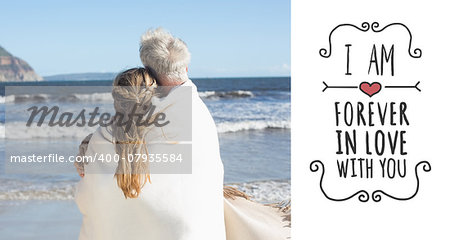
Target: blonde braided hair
[[133, 90]]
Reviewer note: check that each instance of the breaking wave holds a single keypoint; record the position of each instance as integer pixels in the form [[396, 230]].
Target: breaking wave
[[38, 98], [222, 94], [252, 125], [19, 130], [107, 97], [268, 191]]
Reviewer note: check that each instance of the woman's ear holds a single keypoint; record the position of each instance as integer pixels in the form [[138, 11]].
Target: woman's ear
[[186, 69]]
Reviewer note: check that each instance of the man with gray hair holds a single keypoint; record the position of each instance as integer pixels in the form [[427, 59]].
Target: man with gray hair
[[168, 57], [199, 208]]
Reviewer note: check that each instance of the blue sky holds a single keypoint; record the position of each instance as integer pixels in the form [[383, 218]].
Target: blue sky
[[226, 38]]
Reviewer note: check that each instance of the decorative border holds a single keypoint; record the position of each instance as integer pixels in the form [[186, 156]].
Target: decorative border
[[363, 195], [375, 27], [416, 86], [417, 51], [376, 195], [365, 26]]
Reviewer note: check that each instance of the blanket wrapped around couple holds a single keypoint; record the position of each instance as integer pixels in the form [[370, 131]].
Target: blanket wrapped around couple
[[185, 205]]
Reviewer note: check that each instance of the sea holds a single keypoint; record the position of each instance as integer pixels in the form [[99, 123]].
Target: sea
[[252, 116], [253, 122]]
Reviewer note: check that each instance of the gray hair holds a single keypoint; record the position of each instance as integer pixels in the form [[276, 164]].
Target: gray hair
[[165, 55]]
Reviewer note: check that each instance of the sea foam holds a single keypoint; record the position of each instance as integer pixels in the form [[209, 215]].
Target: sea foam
[[269, 191]]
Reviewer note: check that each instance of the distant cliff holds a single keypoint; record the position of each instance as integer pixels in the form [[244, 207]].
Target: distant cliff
[[13, 69]]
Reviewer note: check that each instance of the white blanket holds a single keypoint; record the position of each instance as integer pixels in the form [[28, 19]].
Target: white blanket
[[173, 206], [245, 219]]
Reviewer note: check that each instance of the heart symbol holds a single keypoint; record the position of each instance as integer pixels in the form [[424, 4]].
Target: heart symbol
[[370, 88]]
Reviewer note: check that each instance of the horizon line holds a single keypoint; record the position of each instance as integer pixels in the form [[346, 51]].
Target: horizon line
[[270, 76]]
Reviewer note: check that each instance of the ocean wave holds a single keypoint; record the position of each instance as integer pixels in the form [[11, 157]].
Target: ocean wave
[[225, 94], [94, 97], [268, 191], [252, 125], [19, 130], [20, 190], [107, 97], [38, 98]]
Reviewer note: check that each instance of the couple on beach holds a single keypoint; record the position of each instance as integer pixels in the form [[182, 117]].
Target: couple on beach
[[143, 194]]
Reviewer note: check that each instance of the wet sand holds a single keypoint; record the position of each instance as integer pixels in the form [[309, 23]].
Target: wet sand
[[39, 220]]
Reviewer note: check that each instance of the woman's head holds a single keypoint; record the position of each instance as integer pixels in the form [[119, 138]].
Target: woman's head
[[134, 77], [132, 92]]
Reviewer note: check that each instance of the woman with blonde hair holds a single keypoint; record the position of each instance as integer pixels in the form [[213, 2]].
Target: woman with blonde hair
[[131, 200], [139, 199]]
